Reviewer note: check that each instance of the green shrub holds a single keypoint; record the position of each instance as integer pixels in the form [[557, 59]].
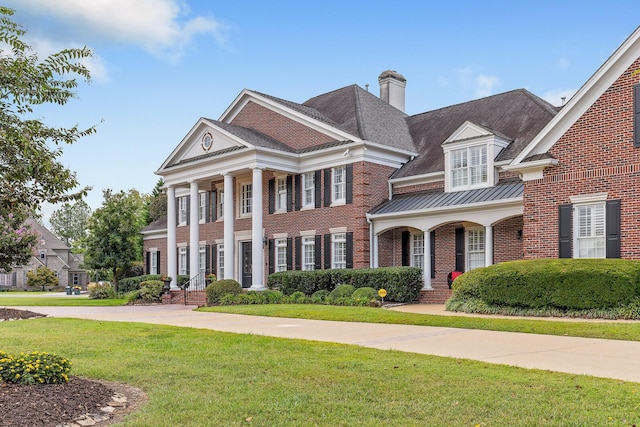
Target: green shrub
[[564, 284], [41, 277], [320, 296], [366, 292], [150, 291], [219, 288], [342, 291], [402, 284], [101, 290], [298, 298], [34, 368]]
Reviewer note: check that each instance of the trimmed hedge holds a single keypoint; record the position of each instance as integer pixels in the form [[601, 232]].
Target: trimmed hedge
[[402, 284], [219, 288], [565, 284], [133, 283]]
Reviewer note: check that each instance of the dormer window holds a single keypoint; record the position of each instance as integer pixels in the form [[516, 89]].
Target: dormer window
[[469, 155], [469, 166]]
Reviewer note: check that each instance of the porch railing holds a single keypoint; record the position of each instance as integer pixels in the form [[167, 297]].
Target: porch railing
[[197, 283]]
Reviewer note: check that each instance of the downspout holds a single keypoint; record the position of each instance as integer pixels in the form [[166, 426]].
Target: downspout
[[367, 216]]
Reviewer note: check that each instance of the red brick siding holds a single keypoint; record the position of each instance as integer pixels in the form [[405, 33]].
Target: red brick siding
[[595, 155], [275, 125]]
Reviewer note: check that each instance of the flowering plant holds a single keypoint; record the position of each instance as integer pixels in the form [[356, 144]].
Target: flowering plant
[[17, 241], [34, 368], [212, 277]]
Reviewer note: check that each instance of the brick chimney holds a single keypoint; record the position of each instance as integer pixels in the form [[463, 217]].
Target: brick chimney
[[392, 85]]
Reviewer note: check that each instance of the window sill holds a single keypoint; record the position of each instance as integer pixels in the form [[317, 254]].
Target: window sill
[[341, 202]]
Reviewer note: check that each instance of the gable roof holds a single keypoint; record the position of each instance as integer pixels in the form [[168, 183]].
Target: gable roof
[[51, 241], [586, 96], [517, 115]]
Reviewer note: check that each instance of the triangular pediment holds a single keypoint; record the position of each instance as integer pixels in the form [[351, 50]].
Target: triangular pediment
[[205, 138], [468, 131]]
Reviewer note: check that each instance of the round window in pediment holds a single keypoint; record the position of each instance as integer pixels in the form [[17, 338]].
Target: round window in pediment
[[207, 141]]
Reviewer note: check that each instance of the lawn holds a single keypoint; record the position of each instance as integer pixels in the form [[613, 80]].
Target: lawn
[[38, 300], [197, 377], [629, 331]]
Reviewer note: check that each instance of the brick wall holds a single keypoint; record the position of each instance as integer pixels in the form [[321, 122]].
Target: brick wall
[[595, 155]]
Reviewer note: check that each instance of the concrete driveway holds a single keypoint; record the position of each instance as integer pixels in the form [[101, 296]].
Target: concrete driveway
[[596, 357]]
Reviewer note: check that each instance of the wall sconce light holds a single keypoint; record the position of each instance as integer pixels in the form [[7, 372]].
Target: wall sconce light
[[265, 239], [519, 235]]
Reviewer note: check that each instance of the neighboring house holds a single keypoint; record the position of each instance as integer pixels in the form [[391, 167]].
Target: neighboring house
[[348, 180], [50, 252]]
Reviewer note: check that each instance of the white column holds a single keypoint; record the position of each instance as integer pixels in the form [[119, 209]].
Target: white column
[[172, 247], [488, 245], [426, 270], [229, 250], [374, 251], [257, 252], [194, 231]]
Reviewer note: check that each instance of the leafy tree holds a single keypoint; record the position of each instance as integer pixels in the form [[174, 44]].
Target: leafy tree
[[157, 202], [114, 239], [16, 242], [30, 170], [70, 222], [42, 276]]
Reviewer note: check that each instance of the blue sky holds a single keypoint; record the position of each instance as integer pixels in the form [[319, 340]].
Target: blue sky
[[160, 65]]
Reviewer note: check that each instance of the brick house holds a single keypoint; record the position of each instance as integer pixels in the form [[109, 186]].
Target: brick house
[[50, 252], [347, 179]]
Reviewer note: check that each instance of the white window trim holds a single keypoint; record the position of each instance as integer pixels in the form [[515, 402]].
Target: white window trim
[[182, 255], [280, 245], [576, 229], [220, 261], [202, 208], [153, 254], [241, 199], [202, 258], [468, 250], [308, 242], [182, 210], [417, 254], [341, 200], [219, 202], [338, 238], [311, 204], [279, 195]]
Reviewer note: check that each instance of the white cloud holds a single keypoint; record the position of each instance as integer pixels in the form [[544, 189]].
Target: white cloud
[[555, 96], [160, 27], [484, 85]]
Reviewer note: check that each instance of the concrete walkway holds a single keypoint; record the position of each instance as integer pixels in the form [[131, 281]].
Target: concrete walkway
[[596, 357]]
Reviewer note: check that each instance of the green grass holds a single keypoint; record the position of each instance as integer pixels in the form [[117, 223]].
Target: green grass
[[197, 377], [629, 331], [66, 301]]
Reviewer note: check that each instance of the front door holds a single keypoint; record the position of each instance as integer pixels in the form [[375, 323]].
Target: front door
[[246, 264]]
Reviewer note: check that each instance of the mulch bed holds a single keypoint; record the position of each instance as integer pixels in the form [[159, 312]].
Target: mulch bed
[[57, 404]]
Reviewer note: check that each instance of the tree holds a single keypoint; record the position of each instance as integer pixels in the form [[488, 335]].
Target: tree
[[157, 202], [42, 276], [114, 239], [16, 242], [69, 222], [30, 171]]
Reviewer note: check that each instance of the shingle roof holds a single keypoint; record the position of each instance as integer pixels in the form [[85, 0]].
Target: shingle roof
[[508, 189], [158, 224], [517, 115]]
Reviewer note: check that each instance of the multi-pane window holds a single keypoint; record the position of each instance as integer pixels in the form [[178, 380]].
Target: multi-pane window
[[5, 280], [182, 210], [281, 194], [202, 207], [220, 204], [153, 263], [590, 231], [417, 250], [221, 261], [281, 255], [202, 258], [475, 248], [246, 199], [182, 261], [339, 183], [339, 250], [469, 166], [75, 279], [308, 189], [308, 253]]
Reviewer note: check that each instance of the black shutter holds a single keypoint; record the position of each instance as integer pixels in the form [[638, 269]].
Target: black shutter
[[318, 187], [272, 195], [207, 207], [214, 206], [289, 253], [207, 259], [289, 193], [636, 116], [188, 198], [406, 248], [148, 263], [613, 228], [349, 195], [298, 263], [188, 261], [460, 249], [432, 246], [327, 251], [214, 259], [327, 189], [177, 210], [158, 262], [317, 252], [298, 190], [565, 212], [272, 256], [350, 250]]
